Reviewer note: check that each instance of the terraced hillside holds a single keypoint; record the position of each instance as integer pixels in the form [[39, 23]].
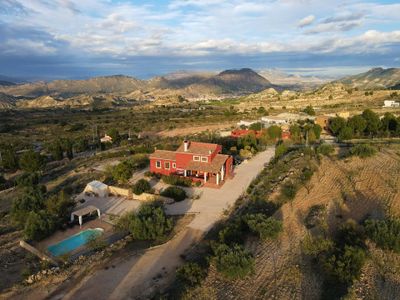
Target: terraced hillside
[[349, 189]]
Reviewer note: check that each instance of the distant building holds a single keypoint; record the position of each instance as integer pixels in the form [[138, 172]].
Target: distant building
[[246, 123], [237, 133], [106, 139], [322, 121], [285, 118], [201, 162], [391, 103]]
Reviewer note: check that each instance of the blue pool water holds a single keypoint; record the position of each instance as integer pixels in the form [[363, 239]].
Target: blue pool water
[[74, 241]]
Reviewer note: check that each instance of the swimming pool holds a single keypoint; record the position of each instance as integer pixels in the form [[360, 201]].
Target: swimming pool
[[74, 241]]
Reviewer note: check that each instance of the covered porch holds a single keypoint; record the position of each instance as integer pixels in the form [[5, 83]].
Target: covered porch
[[206, 173], [80, 213]]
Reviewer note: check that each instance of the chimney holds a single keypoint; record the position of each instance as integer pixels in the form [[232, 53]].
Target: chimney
[[185, 145]]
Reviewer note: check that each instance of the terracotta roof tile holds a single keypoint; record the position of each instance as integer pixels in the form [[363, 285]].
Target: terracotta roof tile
[[213, 167], [164, 154], [198, 148]]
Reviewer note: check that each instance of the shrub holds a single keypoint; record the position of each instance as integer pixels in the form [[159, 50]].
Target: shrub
[[149, 223], [309, 110], [232, 233], [315, 216], [177, 180], [325, 149], [233, 262], [190, 274], [289, 190], [345, 265], [362, 150], [281, 150], [175, 193], [96, 243], [315, 246], [141, 186], [27, 179], [38, 225], [31, 161], [266, 227], [385, 233]]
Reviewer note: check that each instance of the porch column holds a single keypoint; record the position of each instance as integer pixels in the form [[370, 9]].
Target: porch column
[[184, 173], [205, 177], [222, 173], [98, 213], [72, 217], [80, 221], [218, 178]]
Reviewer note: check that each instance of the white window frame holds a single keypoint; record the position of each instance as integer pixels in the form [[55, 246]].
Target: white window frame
[[196, 158], [173, 165], [158, 164], [204, 159], [165, 165]]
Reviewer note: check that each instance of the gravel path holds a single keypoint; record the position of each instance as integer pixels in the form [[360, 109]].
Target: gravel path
[[140, 275]]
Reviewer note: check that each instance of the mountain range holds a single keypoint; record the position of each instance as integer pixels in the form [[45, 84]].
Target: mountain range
[[108, 91]]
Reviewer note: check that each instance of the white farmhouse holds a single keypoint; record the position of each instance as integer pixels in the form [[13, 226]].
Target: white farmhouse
[[391, 103]]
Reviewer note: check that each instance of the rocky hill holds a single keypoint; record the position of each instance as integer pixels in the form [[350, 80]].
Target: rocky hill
[[192, 86], [377, 78], [7, 101]]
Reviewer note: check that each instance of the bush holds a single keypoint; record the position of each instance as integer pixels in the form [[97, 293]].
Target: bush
[[27, 179], [177, 180], [232, 233], [31, 161], [309, 110], [315, 246], [363, 150], [38, 225], [96, 243], [175, 193], [385, 233], [190, 274], [289, 190], [345, 265], [266, 227], [281, 150], [315, 216], [233, 262], [141, 186], [325, 149], [149, 223]]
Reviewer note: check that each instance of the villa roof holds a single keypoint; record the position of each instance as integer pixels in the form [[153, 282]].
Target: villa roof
[[211, 167], [198, 148], [164, 154]]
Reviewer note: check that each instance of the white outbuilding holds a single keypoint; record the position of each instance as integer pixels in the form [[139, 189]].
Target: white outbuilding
[[97, 187]]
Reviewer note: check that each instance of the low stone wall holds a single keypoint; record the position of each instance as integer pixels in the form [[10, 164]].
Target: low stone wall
[[120, 191], [38, 253]]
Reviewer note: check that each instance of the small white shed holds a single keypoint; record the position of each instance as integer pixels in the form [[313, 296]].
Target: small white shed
[[97, 187]]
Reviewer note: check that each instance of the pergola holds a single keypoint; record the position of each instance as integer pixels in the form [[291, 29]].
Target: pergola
[[84, 211]]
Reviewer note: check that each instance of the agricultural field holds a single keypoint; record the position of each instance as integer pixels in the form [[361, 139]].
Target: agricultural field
[[343, 190]]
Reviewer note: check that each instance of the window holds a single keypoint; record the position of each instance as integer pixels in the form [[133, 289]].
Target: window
[[196, 158], [158, 164], [204, 159], [173, 165], [167, 165]]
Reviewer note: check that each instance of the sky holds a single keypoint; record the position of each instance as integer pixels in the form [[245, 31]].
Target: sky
[[65, 39]]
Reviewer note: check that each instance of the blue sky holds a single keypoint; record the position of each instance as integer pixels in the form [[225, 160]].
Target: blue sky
[[51, 39]]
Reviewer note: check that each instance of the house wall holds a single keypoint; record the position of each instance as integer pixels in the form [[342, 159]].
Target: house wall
[[162, 170]]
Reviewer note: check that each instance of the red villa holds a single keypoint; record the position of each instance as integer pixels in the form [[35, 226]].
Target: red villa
[[198, 161]]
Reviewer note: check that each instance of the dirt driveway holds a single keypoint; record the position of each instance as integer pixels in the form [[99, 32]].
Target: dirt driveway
[[140, 275]]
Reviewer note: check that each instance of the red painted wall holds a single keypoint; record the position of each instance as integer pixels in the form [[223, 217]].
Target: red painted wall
[[161, 170]]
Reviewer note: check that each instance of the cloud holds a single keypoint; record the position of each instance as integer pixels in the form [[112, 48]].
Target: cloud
[[344, 18], [306, 21]]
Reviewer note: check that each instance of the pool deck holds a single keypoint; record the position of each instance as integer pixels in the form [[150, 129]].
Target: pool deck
[[59, 235]]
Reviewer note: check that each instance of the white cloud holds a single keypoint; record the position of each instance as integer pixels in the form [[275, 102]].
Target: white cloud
[[306, 21]]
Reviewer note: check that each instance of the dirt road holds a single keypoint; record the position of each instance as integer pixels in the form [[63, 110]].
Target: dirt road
[[139, 276]]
